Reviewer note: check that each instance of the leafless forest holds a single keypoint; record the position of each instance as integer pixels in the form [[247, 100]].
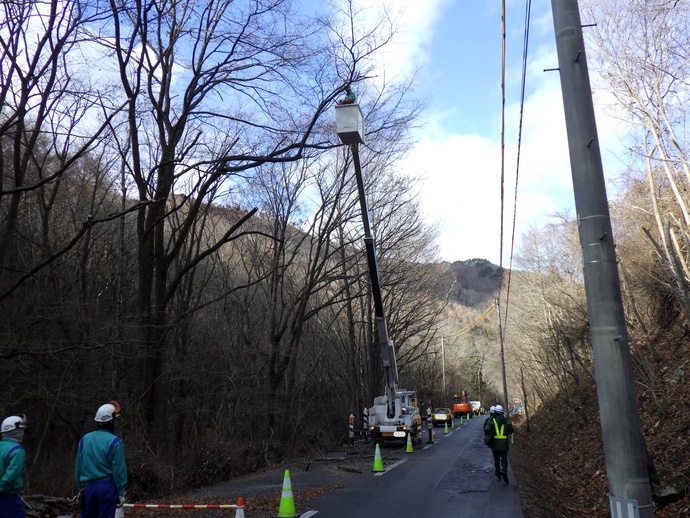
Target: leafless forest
[[180, 231]]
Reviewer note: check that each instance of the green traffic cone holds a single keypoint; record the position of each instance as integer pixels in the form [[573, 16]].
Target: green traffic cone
[[445, 429], [287, 501], [378, 461]]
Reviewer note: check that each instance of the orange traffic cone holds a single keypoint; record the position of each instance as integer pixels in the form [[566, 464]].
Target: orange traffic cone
[[239, 511], [378, 461], [287, 501], [409, 448]]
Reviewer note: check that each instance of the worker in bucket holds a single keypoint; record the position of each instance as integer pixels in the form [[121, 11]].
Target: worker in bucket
[[349, 98], [100, 469], [12, 463]]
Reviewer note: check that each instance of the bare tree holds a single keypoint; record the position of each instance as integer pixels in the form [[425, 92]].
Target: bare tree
[[642, 48], [213, 90], [550, 337], [44, 131]]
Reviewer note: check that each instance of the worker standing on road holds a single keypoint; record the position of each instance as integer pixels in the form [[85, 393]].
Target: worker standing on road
[[100, 469], [12, 463], [497, 428]]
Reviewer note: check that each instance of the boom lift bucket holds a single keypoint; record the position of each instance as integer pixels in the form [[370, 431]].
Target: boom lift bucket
[[349, 122]]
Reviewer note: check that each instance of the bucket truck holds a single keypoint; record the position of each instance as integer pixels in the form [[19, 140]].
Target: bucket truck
[[395, 414]]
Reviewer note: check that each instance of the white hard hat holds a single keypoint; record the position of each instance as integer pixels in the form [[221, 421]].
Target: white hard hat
[[14, 422], [492, 409], [499, 409], [107, 412]]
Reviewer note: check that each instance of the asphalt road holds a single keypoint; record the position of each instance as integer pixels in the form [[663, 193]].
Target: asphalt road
[[454, 476]]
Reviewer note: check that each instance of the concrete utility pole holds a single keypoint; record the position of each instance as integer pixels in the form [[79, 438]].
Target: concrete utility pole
[[624, 449]]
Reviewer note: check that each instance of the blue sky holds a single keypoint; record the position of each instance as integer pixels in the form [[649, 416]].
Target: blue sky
[[457, 44]]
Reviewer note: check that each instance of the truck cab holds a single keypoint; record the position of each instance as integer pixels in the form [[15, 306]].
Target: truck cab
[[461, 405]]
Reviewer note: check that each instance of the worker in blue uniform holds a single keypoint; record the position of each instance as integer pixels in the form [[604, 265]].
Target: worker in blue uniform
[[350, 97], [12, 464], [100, 468]]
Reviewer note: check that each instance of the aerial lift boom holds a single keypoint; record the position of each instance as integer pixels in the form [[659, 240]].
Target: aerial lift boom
[[395, 414], [390, 368]]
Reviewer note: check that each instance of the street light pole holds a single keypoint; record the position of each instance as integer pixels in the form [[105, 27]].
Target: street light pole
[[443, 366]]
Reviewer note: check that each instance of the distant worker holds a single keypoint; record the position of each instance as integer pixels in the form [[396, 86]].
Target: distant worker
[[12, 463], [492, 410], [497, 428], [350, 98], [100, 469]]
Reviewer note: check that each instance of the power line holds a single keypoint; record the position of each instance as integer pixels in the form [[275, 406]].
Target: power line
[[528, 15], [503, 135], [474, 324], [512, 245]]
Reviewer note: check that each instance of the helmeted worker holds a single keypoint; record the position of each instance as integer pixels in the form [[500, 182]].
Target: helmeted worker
[[497, 428], [492, 410], [12, 463], [100, 468], [349, 98]]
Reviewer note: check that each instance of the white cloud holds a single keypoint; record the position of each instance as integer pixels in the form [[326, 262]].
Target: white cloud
[[462, 170], [462, 188], [460, 192]]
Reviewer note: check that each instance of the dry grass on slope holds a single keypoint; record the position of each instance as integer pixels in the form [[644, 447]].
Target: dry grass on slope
[[559, 464]]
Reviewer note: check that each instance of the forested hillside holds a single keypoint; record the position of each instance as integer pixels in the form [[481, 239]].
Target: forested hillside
[[476, 282], [180, 231]]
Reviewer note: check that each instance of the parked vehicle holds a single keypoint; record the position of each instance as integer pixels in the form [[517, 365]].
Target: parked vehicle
[[442, 416], [476, 407]]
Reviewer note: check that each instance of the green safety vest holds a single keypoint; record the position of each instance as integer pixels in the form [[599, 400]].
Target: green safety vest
[[500, 432]]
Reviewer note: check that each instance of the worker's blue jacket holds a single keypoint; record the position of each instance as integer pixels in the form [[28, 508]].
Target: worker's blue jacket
[[12, 461], [101, 455]]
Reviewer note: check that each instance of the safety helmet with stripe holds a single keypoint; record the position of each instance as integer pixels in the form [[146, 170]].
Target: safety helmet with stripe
[[111, 410], [13, 422]]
